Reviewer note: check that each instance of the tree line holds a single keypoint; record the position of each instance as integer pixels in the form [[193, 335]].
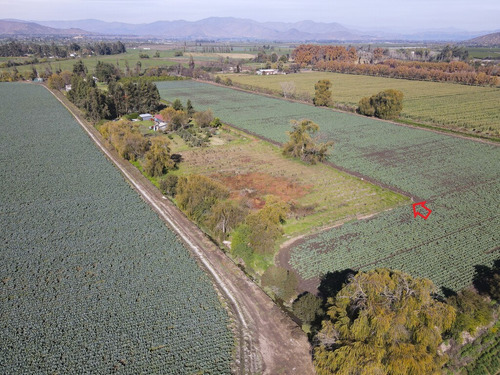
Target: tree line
[[342, 60], [19, 49]]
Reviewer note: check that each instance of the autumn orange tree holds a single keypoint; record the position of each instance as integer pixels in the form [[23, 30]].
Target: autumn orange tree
[[383, 322]]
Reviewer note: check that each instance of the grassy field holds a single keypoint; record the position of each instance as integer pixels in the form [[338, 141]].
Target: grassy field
[[92, 280], [459, 179], [447, 104], [131, 57], [252, 169]]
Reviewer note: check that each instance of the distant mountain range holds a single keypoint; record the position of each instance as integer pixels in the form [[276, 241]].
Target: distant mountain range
[[15, 27], [220, 28]]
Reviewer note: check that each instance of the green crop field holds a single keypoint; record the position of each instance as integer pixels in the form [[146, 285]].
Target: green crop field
[[446, 104], [92, 281], [459, 179], [489, 53]]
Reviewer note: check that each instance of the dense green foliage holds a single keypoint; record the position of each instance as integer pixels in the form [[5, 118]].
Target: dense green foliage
[[383, 322], [157, 159], [18, 48], [86, 96], [387, 104], [307, 307], [141, 96], [106, 72], [486, 352], [92, 280], [322, 93], [459, 178], [473, 311], [120, 99]]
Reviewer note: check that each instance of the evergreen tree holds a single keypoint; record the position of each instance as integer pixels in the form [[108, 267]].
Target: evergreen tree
[[177, 105], [189, 108], [322, 95]]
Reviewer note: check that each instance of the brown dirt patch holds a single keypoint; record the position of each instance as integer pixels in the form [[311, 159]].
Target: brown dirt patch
[[256, 185]]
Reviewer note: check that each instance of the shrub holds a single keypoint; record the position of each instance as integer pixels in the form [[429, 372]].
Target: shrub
[[168, 185], [387, 104]]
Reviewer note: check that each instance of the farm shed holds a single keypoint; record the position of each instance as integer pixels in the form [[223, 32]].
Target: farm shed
[[146, 117], [266, 72]]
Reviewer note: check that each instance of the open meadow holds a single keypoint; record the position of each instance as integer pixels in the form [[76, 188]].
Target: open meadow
[[92, 280], [446, 104], [252, 168], [459, 179]]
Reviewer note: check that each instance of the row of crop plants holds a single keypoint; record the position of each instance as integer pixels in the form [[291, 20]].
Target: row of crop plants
[[92, 279]]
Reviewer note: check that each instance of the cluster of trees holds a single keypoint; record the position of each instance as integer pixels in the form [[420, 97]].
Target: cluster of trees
[[339, 59], [217, 49], [253, 233], [140, 96], [107, 72], [153, 152], [263, 57], [312, 54], [387, 104], [120, 99], [387, 322], [450, 53], [302, 145], [194, 127], [18, 49]]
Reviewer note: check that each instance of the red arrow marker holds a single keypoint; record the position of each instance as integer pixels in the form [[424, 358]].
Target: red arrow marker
[[416, 213]]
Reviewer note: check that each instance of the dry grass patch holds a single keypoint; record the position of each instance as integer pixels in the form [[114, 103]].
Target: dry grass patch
[[318, 194]]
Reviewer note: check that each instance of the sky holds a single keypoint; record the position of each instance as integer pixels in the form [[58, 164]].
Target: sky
[[400, 15]]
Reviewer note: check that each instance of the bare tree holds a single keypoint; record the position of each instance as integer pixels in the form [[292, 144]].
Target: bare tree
[[288, 89]]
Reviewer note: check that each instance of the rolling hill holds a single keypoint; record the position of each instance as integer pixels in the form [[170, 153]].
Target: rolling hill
[[15, 27], [485, 40]]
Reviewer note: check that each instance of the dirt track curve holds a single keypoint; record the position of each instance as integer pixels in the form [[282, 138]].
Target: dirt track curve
[[269, 341]]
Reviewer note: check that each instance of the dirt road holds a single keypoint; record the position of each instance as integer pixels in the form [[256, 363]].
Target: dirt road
[[269, 341]]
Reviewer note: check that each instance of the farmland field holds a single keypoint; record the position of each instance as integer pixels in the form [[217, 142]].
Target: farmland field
[[92, 280], [459, 179], [447, 104]]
